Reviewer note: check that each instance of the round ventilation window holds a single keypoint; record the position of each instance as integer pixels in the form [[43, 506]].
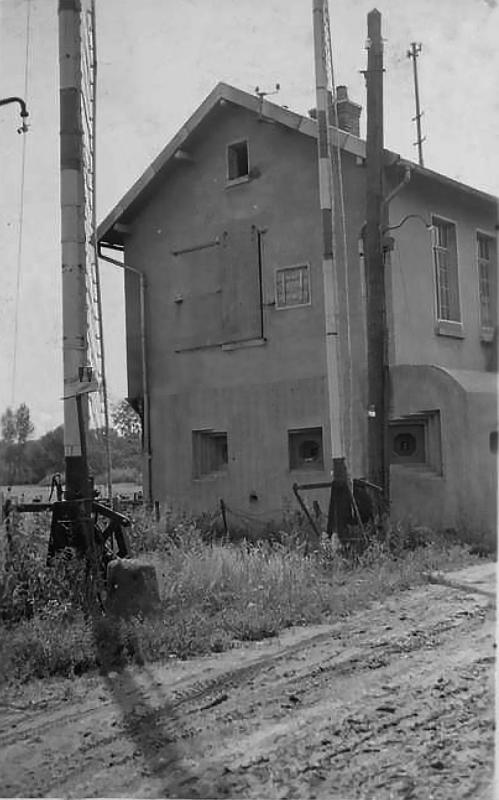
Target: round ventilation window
[[309, 451], [404, 444]]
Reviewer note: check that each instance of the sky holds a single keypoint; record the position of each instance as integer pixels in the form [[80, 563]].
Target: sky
[[157, 60]]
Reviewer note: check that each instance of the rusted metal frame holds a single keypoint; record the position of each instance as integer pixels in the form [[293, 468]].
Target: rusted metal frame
[[296, 491]]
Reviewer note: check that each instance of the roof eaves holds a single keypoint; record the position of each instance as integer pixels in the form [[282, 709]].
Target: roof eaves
[[451, 182], [159, 162], [269, 111]]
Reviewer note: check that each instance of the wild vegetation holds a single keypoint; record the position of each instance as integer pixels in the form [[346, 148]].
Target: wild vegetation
[[213, 594], [24, 460]]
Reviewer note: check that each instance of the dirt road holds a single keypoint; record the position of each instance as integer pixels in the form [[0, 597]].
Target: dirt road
[[396, 701]]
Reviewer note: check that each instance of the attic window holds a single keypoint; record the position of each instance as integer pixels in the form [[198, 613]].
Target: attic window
[[237, 161]]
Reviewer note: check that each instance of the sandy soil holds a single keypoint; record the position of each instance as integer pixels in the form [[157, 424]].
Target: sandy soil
[[396, 701]]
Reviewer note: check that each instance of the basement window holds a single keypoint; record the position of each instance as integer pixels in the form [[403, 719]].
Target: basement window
[[237, 161], [209, 453], [415, 440], [305, 449], [292, 286]]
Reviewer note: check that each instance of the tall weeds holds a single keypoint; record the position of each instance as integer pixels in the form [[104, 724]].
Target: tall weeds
[[212, 595]]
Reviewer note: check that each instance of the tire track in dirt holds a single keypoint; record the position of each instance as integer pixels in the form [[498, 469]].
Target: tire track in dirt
[[169, 733]]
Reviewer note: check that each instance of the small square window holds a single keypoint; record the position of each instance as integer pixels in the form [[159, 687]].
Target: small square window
[[210, 453], [408, 444], [305, 449], [292, 286], [237, 161], [416, 441]]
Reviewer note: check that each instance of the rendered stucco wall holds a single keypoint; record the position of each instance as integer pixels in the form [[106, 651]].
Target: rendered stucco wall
[[256, 393], [464, 496], [413, 289]]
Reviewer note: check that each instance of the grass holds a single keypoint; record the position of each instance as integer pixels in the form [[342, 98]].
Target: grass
[[212, 595]]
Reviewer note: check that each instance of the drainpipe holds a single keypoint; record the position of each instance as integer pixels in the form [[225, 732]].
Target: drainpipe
[[388, 199], [405, 180], [145, 380]]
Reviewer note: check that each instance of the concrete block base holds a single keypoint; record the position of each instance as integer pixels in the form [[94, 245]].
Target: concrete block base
[[132, 588]]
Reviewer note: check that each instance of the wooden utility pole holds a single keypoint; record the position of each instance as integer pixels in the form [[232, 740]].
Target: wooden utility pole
[[74, 303], [413, 53], [339, 512], [377, 361]]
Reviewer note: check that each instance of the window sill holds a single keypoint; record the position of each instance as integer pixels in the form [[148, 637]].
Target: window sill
[[211, 476], [243, 343], [425, 470], [446, 327], [487, 334], [237, 181]]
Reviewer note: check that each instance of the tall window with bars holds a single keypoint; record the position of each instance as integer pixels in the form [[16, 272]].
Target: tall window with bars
[[446, 272], [484, 255]]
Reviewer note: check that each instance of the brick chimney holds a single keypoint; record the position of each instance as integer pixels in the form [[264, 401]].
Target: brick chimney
[[348, 112]]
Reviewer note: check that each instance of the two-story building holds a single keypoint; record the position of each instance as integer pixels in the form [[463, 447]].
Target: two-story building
[[227, 341]]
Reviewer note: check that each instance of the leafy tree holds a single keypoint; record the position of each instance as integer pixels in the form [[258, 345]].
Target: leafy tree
[[16, 429], [126, 421], [24, 426], [9, 429]]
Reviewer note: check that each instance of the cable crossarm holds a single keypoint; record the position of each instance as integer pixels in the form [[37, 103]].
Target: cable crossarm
[[23, 112]]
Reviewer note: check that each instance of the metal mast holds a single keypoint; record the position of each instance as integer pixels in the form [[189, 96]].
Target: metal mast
[[340, 496], [82, 307], [413, 53], [74, 301]]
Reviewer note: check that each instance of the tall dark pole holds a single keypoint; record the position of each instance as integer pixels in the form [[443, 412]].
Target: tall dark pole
[[413, 53], [377, 366]]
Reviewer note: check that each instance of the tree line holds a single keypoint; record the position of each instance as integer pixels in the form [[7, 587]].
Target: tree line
[[28, 460]]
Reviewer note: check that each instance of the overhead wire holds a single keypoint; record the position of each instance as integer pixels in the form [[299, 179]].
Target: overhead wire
[[21, 208]]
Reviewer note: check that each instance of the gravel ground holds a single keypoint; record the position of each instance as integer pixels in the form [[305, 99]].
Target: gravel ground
[[396, 701]]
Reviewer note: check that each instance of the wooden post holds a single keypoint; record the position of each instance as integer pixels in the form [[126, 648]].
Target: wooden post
[[223, 509], [377, 361]]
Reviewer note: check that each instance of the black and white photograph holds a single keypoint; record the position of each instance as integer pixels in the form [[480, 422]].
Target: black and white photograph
[[249, 397]]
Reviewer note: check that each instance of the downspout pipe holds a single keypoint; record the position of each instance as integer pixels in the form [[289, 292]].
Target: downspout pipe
[[405, 180], [145, 376], [391, 195]]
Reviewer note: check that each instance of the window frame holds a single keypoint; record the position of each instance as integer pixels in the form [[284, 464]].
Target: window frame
[[431, 421], [486, 330], [300, 265], [445, 326], [241, 178], [307, 431], [221, 470]]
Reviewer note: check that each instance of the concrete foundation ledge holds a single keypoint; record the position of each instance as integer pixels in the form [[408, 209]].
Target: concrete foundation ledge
[[132, 588]]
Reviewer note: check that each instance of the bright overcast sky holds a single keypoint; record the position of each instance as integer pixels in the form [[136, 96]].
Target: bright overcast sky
[[158, 59]]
